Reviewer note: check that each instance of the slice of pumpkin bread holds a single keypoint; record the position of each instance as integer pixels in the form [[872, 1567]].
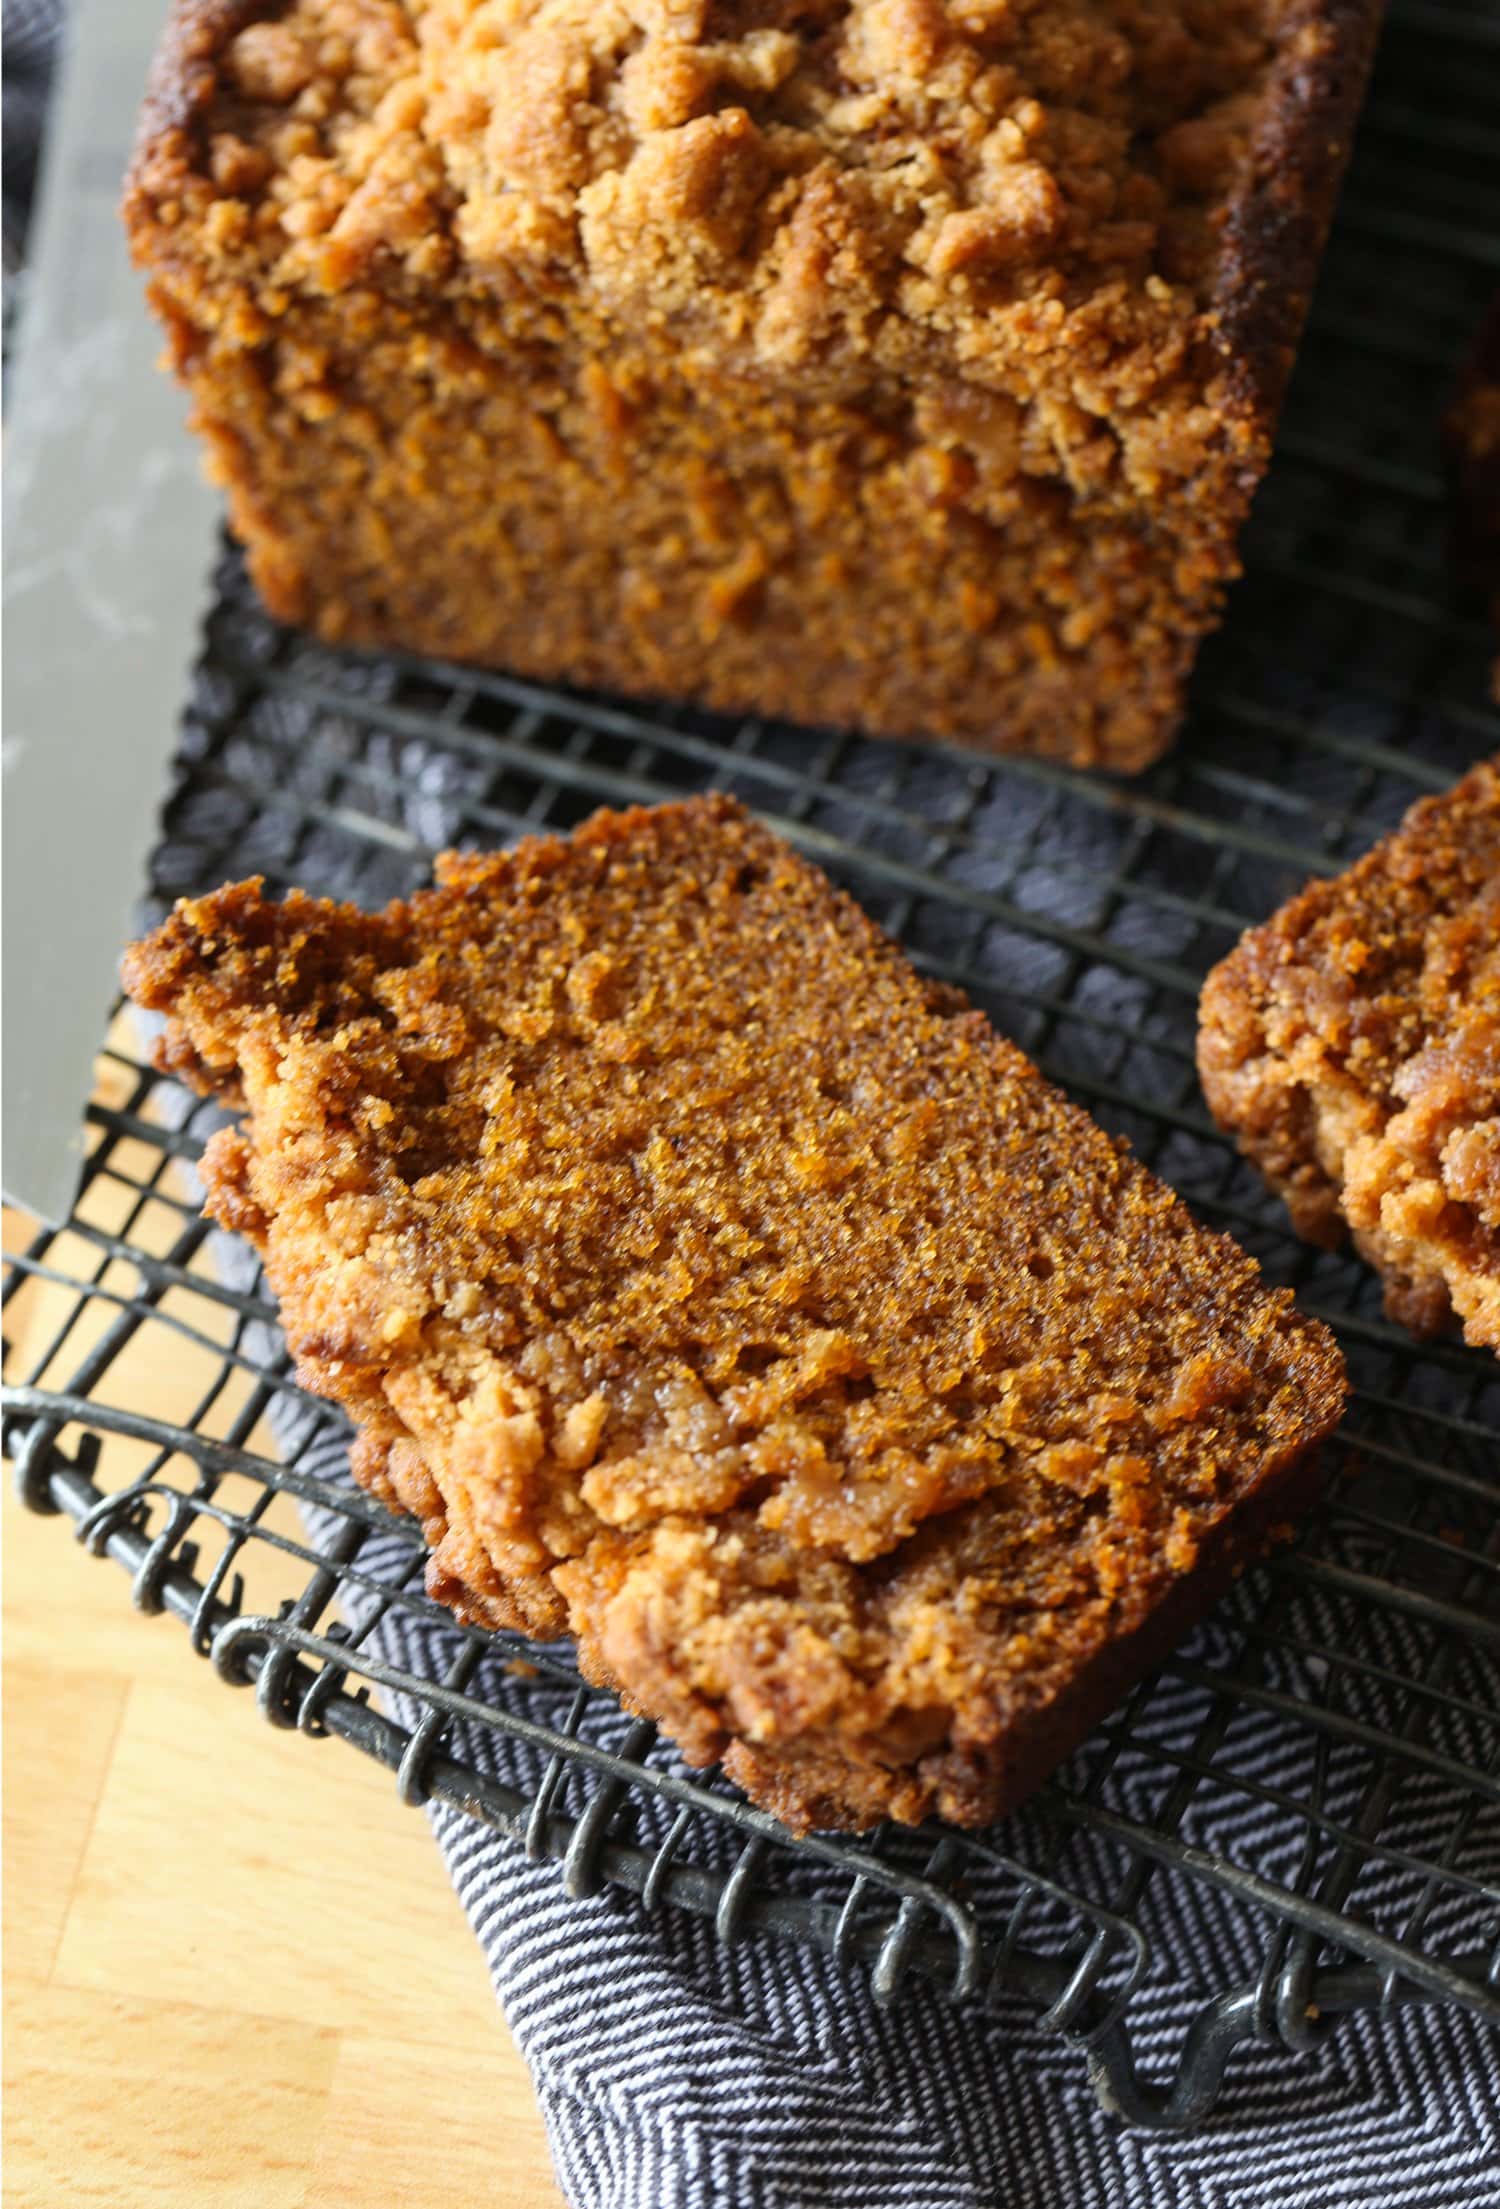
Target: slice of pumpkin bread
[[717, 1291]]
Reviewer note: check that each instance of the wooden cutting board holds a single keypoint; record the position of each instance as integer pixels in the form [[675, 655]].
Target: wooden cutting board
[[235, 1972]]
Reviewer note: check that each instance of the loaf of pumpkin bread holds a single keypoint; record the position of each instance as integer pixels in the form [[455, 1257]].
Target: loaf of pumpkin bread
[[902, 364], [715, 1290]]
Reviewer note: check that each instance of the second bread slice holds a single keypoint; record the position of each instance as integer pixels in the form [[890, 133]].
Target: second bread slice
[[714, 1289]]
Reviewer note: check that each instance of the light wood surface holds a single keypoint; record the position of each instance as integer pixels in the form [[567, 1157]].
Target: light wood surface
[[235, 1973]]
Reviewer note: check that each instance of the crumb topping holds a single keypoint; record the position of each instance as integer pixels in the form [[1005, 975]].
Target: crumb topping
[[1353, 1043], [1007, 185]]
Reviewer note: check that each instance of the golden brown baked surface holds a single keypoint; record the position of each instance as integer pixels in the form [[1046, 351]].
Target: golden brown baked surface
[[715, 1290], [908, 363], [1352, 1044]]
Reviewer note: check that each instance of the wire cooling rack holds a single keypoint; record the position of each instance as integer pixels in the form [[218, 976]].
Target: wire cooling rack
[[1317, 1771]]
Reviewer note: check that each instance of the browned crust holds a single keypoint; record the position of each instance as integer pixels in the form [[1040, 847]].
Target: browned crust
[[184, 78], [1278, 223]]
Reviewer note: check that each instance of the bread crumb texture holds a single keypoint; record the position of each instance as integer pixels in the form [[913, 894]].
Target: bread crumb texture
[[715, 1290], [1352, 1044], [882, 361], [773, 172]]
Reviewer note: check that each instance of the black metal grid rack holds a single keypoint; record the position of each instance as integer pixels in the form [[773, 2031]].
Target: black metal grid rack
[[1322, 1760]]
